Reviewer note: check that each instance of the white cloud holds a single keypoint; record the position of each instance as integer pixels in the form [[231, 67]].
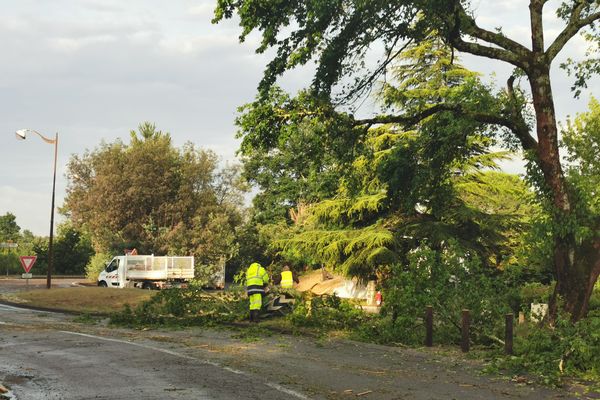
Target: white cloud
[[143, 36], [74, 44], [104, 6], [202, 10], [31, 208], [189, 44]]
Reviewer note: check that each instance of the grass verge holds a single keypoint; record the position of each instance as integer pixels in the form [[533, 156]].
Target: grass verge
[[90, 300]]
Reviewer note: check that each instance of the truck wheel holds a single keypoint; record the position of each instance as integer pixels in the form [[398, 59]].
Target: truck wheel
[[102, 284], [147, 286]]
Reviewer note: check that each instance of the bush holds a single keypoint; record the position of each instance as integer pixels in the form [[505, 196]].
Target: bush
[[325, 312], [185, 307], [96, 264], [552, 353], [10, 264], [449, 280], [534, 293]]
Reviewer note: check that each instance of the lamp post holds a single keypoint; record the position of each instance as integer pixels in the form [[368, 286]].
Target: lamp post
[[22, 135]]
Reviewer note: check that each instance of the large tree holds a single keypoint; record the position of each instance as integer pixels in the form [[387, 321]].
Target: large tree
[[9, 230], [393, 190], [340, 34], [157, 198]]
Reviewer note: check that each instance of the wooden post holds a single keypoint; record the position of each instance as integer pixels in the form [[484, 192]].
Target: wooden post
[[466, 322], [429, 326], [508, 334]]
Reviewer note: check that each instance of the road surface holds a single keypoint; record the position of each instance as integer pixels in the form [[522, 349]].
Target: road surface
[[49, 356]]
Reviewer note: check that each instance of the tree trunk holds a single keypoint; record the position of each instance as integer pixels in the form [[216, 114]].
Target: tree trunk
[[577, 268], [576, 265]]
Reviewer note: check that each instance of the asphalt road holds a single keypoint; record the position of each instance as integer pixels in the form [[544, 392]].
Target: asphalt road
[[50, 363], [49, 356], [15, 284]]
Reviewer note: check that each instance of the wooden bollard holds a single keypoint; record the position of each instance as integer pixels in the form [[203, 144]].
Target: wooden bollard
[[466, 322], [508, 334], [429, 326]]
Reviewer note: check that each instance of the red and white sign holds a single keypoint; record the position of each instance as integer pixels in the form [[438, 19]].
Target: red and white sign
[[27, 262]]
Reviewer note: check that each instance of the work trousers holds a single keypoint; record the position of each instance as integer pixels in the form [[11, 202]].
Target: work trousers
[[255, 301]]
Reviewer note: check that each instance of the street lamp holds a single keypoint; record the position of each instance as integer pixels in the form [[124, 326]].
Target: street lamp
[[22, 135]]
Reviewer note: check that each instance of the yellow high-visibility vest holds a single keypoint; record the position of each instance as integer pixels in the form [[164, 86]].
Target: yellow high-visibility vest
[[287, 279], [256, 278]]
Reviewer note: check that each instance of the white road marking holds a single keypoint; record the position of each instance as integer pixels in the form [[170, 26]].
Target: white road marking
[[272, 385]]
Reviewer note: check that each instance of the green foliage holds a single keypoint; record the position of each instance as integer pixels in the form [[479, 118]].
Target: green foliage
[[325, 312], [329, 31], [552, 354], [397, 187], [9, 263], [157, 198], [72, 249], [534, 293], [586, 69], [595, 299], [409, 39], [581, 139], [353, 252], [450, 279], [95, 265], [191, 306], [9, 230], [291, 151], [251, 249], [339, 36], [85, 319]]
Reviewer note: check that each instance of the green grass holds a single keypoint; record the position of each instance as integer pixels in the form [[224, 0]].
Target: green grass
[[90, 300]]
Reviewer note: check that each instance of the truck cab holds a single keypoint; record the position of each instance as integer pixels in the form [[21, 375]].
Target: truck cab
[[111, 276]]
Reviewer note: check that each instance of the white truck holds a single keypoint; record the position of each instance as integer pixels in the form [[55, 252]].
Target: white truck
[[147, 272]]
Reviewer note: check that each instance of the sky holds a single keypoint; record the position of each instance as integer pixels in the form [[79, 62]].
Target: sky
[[92, 70]]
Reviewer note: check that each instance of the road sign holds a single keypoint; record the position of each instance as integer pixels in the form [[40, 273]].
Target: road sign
[[9, 245], [27, 262], [26, 276]]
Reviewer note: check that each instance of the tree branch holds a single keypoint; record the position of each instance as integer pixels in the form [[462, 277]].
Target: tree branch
[[508, 50], [471, 28], [514, 123], [406, 120], [574, 25], [520, 129], [537, 27], [365, 84], [489, 52]]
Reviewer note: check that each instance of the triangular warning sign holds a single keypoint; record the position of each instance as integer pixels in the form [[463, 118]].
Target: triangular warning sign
[[27, 262]]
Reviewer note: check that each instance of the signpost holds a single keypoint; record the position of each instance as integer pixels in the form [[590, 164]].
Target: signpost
[[27, 262], [8, 245]]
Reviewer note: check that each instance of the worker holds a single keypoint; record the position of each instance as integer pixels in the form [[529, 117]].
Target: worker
[[286, 279], [256, 282]]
